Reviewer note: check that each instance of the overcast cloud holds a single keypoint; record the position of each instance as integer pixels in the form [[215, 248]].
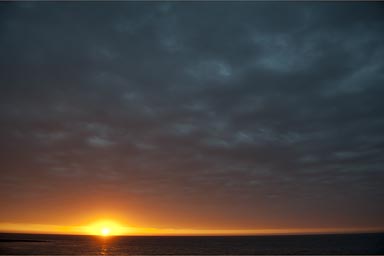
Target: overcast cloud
[[247, 114]]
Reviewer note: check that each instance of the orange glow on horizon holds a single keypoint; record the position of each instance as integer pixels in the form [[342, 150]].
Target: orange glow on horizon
[[107, 228]]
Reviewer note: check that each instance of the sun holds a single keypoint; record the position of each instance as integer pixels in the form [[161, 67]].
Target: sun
[[106, 228], [105, 231]]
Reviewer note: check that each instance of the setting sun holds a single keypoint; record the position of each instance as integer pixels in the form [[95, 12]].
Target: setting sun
[[105, 231], [106, 228]]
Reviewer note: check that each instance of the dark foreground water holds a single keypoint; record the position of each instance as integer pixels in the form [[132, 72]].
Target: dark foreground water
[[194, 245]]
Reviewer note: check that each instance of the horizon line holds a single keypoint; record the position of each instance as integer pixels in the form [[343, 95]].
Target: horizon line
[[208, 233]]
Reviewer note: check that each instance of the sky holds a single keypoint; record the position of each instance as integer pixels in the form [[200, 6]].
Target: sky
[[202, 116]]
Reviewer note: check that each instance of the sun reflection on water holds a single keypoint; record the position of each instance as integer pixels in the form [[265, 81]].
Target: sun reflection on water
[[104, 248]]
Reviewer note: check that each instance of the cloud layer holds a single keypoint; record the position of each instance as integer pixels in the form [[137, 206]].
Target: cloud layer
[[217, 115]]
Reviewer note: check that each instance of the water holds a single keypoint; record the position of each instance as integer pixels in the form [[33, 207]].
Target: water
[[22, 244]]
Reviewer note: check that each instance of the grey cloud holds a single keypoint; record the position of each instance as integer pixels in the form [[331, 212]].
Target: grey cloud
[[255, 101], [99, 142]]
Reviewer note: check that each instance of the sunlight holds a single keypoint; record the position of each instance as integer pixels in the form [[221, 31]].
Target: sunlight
[[105, 228], [105, 231]]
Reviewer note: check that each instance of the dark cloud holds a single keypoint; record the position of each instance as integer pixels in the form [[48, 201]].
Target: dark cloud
[[256, 114]]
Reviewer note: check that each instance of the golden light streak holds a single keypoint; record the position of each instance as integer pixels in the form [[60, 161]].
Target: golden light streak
[[112, 228]]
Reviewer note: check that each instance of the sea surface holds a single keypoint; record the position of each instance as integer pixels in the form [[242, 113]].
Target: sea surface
[[26, 244]]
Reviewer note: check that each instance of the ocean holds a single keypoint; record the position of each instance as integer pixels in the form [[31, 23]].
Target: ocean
[[349, 244]]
